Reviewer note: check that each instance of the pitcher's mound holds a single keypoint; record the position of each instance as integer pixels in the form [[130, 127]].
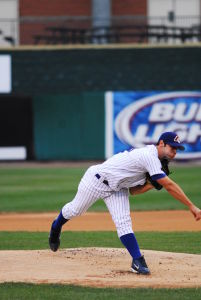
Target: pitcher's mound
[[99, 267]]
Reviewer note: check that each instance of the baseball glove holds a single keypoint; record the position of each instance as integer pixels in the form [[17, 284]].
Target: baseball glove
[[165, 169]]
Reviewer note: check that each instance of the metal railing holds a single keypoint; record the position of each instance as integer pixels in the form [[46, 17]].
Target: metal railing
[[79, 30], [118, 34]]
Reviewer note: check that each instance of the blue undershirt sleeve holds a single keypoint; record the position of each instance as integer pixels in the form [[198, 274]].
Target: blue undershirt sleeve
[[158, 176]]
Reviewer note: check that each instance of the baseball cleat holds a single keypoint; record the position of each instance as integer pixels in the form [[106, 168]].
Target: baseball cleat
[[54, 238], [139, 266]]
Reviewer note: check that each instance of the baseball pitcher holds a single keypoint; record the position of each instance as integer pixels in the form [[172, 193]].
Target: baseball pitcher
[[135, 171]]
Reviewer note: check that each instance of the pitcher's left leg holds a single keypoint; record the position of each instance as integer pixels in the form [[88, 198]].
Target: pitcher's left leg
[[119, 208]]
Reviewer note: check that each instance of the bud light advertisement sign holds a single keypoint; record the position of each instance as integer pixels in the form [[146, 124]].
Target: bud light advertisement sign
[[136, 119]]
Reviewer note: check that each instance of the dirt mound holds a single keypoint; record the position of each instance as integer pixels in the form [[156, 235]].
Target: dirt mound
[[99, 267]]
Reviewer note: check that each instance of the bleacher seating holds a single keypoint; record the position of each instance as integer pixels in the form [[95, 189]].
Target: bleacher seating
[[116, 34]]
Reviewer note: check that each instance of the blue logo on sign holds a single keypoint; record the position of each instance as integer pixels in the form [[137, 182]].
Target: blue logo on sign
[[142, 120]]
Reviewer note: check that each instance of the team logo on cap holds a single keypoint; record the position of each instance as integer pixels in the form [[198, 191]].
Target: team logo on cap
[[176, 139]]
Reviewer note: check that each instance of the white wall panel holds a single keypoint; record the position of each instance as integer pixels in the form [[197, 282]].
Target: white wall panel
[[9, 21], [186, 13]]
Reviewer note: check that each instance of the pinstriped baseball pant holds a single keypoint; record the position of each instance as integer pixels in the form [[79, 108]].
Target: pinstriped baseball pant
[[89, 191]]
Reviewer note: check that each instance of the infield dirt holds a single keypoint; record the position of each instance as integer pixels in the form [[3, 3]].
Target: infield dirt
[[100, 267], [177, 220]]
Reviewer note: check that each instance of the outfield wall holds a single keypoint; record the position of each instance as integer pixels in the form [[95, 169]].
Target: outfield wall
[[69, 126], [62, 71], [67, 88]]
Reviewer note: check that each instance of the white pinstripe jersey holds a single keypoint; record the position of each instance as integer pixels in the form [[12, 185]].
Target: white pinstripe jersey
[[128, 168]]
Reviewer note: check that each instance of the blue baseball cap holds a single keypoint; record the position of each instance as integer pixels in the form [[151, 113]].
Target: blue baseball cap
[[172, 139]]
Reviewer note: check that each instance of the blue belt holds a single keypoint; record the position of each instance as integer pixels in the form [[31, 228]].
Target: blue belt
[[104, 181]]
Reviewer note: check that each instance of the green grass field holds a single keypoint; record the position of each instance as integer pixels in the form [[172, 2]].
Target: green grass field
[[14, 291], [184, 242], [48, 189], [174, 242]]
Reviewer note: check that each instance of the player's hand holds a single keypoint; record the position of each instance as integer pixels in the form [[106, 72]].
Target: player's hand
[[196, 212]]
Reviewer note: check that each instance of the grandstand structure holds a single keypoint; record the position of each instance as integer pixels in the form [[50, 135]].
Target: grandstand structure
[[25, 22]]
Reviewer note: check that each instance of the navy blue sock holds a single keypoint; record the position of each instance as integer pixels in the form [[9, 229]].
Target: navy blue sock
[[131, 244], [59, 222]]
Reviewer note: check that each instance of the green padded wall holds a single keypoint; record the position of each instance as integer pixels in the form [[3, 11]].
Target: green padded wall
[[62, 71], [66, 86], [69, 126]]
